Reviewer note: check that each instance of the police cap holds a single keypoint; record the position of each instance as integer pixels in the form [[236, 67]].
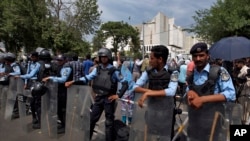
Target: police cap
[[34, 53], [198, 47]]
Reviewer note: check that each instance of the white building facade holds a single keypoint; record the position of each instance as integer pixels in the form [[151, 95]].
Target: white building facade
[[161, 30]]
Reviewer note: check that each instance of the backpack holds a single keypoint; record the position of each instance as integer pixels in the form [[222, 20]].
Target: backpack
[[121, 131]]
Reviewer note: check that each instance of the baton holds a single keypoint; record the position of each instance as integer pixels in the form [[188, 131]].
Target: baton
[[131, 101]]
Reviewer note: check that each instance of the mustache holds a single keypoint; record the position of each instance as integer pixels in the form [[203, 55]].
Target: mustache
[[198, 62]]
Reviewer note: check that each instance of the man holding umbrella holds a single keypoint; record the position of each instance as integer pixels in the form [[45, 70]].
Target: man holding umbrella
[[208, 88]]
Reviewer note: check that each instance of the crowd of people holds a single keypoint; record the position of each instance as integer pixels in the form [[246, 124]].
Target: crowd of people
[[206, 85]]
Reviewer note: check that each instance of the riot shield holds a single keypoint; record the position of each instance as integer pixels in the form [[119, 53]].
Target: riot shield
[[77, 113], [11, 98], [206, 120], [220, 129], [153, 122], [23, 101], [3, 98], [49, 110]]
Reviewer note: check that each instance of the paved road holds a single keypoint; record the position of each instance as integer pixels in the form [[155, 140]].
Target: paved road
[[13, 131]]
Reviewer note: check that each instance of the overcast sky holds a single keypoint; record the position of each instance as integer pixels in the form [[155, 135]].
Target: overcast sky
[[144, 10]]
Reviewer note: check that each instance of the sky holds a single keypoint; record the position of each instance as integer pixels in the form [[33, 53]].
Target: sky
[[135, 12]]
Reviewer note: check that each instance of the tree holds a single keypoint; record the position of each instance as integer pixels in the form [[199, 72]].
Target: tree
[[225, 18], [57, 24], [20, 23], [121, 33]]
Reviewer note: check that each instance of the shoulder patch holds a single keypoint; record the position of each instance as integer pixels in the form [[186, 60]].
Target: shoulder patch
[[224, 75], [65, 72], [174, 76]]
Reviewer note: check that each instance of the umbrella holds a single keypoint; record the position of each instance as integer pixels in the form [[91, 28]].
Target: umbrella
[[230, 48]]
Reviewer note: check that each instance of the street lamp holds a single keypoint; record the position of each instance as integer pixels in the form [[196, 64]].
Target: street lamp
[[143, 38]]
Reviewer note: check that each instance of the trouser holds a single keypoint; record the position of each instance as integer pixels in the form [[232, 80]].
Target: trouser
[[35, 103], [102, 103], [35, 107], [61, 110]]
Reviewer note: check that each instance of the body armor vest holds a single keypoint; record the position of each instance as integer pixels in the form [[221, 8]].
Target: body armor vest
[[103, 83], [202, 118], [159, 81], [160, 109]]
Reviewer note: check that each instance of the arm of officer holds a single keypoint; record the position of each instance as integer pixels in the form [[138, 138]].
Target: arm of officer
[[224, 91], [83, 80], [17, 71], [65, 73], [138, 86], [125, 82], [170, 91], [32, 73]]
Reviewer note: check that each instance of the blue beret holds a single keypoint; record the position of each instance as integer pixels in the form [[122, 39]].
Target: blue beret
[[198, 47]]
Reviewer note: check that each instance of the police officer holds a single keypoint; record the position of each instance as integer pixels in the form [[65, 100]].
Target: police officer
[[105, 78], [11, 68], [64, 74], [161, 91], [208, 87], [31, 77]]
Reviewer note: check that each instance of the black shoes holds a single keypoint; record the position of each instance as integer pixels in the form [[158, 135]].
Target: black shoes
[[60, 129], [36, 126]]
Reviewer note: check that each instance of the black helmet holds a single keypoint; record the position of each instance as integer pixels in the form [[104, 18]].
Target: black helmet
[[38, 89], [10, 57], [105, 52], [44, 54], [61, 57]]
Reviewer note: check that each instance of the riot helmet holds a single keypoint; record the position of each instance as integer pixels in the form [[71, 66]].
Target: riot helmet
[[11, 57], [44, 54], [38, 89], [105, 52]]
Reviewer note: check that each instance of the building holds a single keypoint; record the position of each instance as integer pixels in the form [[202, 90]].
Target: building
[[161, 30]]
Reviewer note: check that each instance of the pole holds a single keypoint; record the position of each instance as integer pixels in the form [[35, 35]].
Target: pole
[[143, 44]]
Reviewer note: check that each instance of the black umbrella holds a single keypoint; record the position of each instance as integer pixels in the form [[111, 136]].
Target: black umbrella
[[230, 48]]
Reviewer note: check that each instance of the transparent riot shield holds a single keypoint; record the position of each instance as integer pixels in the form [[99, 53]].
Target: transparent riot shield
[[49, 110], [206, 120], [3, 98], [77, 113], [11, 98], [220, 129], [23, 97], [154, 122]]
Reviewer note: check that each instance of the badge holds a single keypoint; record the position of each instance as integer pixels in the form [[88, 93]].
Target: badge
[[224, 75], [174, 77], [65, 72]]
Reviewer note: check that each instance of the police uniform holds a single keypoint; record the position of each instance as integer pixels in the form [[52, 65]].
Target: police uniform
[[35, 102], [200, 120], [64, 74], [160, 107], [103, 90]]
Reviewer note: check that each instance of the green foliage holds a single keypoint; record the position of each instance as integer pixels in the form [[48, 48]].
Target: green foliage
[[54, 24], [225, 18], [121, 33]]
